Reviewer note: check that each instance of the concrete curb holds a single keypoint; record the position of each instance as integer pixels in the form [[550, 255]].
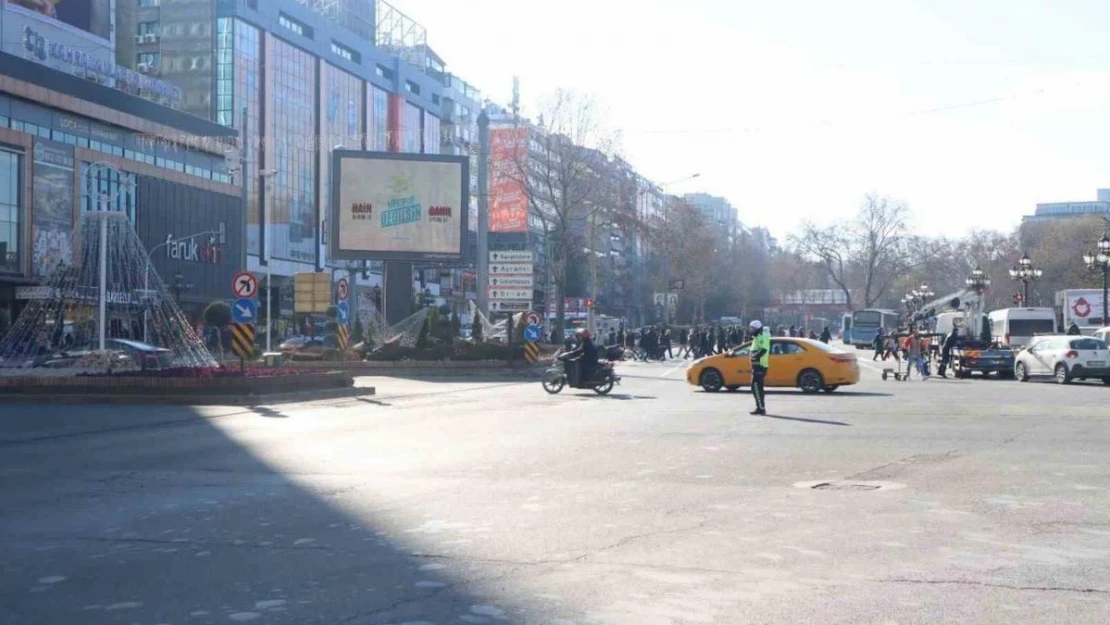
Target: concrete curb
[[188, 400]]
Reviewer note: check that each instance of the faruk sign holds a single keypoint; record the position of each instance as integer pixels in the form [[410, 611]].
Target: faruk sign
[[195, 250]]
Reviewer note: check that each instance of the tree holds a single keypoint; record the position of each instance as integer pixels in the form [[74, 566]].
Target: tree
[[864, 256], [560, 167]]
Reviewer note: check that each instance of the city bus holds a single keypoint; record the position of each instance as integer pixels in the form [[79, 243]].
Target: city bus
[[866, 324]]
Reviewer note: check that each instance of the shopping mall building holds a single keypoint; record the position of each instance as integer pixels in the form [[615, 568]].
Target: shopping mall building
[[65, 106]]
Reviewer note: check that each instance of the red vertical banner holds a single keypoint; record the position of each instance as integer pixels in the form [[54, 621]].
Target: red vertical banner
[[394, 119], [508, 200]]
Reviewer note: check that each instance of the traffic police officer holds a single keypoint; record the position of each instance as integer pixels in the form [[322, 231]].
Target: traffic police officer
[[761, 358]]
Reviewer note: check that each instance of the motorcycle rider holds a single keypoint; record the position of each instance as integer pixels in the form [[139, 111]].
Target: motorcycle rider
[[761, 359], [585, 353]]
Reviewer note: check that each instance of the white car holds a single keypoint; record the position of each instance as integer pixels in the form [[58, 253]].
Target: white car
[[1065, 358], [1103, 334]]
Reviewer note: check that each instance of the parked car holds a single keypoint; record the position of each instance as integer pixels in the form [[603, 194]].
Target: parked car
[[147, 356], [1064, 358], [303, 348], [1103, 334], [794, 363]]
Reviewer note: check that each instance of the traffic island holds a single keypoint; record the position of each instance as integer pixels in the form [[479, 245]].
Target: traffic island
[[199, 387], [431, 369]]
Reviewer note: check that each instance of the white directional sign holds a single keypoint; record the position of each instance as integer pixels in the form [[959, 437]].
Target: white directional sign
[[520, 282], [500, 306], [510, 269], [510, 294], [511, 256]]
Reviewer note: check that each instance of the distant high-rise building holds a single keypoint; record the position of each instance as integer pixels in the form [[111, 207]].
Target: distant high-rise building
[[1070, 210], [721, 214]]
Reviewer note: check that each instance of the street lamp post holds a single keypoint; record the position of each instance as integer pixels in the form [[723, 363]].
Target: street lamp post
[[1099, 260], [978, 282], [1025, 273]]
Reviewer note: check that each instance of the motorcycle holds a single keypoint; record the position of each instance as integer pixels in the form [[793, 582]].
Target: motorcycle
[[559, 376]]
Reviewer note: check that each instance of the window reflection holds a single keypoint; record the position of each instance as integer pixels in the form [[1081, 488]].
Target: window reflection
[[11, 177], [293, 126]]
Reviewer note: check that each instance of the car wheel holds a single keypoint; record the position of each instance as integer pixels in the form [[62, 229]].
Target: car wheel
[[732, 388], [1062, 376], [831, 389], [810, 381], [1021, 372], [711, 381]]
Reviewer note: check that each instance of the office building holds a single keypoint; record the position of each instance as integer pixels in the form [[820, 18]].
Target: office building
[[720, 214], [301, 79], [65, 107]]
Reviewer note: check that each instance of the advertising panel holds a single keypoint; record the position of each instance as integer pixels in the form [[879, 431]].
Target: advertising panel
[[394, 206], [508, 202], [52, 207]]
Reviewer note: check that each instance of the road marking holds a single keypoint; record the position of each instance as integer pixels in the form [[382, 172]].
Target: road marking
[[668, 372]]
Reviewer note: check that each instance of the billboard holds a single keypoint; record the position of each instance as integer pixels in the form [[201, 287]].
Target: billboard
[[508, 201], [395, 206], [52, 207], [91, 16]]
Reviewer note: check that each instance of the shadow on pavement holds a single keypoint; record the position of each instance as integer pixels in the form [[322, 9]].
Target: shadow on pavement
[[172, 515]]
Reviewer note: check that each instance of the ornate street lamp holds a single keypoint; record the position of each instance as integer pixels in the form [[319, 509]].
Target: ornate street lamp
[[1099, 260], [978, 281], [1025, 273]]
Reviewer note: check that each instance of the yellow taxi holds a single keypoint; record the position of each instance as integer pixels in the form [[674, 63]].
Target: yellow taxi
[[794, 363]]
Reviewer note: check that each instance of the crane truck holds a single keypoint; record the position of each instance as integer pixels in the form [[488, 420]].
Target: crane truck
[[974, 351]]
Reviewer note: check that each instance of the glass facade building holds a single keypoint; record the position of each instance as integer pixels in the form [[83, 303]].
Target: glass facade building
[[341, 99], [292, 132], [412, 131], [239, 88]]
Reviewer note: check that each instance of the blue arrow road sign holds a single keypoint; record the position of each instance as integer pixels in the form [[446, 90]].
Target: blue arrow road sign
[[344, 312], [244, 310], [532, 333]]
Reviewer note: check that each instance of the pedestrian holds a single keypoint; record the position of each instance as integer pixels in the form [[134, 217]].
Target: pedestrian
[[666, 344], [826, 335], [1073, 329], [703, 344], [880, 346], [620, 336], [793, 331], [914, 357], [761, 358], [946, 352], [812, 335], [683, 343]]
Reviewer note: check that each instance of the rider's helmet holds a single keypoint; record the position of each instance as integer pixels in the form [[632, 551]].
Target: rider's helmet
[[756, 325], [582, 333]]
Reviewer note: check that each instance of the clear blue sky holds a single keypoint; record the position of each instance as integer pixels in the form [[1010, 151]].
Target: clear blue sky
[[969, 111]]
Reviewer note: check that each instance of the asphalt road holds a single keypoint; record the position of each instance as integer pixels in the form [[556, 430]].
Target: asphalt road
[[490, 502]]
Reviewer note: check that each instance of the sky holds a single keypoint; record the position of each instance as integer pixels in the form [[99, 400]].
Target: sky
[[969, 112]]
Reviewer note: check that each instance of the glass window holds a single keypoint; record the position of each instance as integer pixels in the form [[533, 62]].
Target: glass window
[[11, 177], [108, 184], [150, 28], [411, 128], [150, 59], [377, 111], [1087, 344], [287, 22], [293, 219], [431, 134], [149, 3]]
